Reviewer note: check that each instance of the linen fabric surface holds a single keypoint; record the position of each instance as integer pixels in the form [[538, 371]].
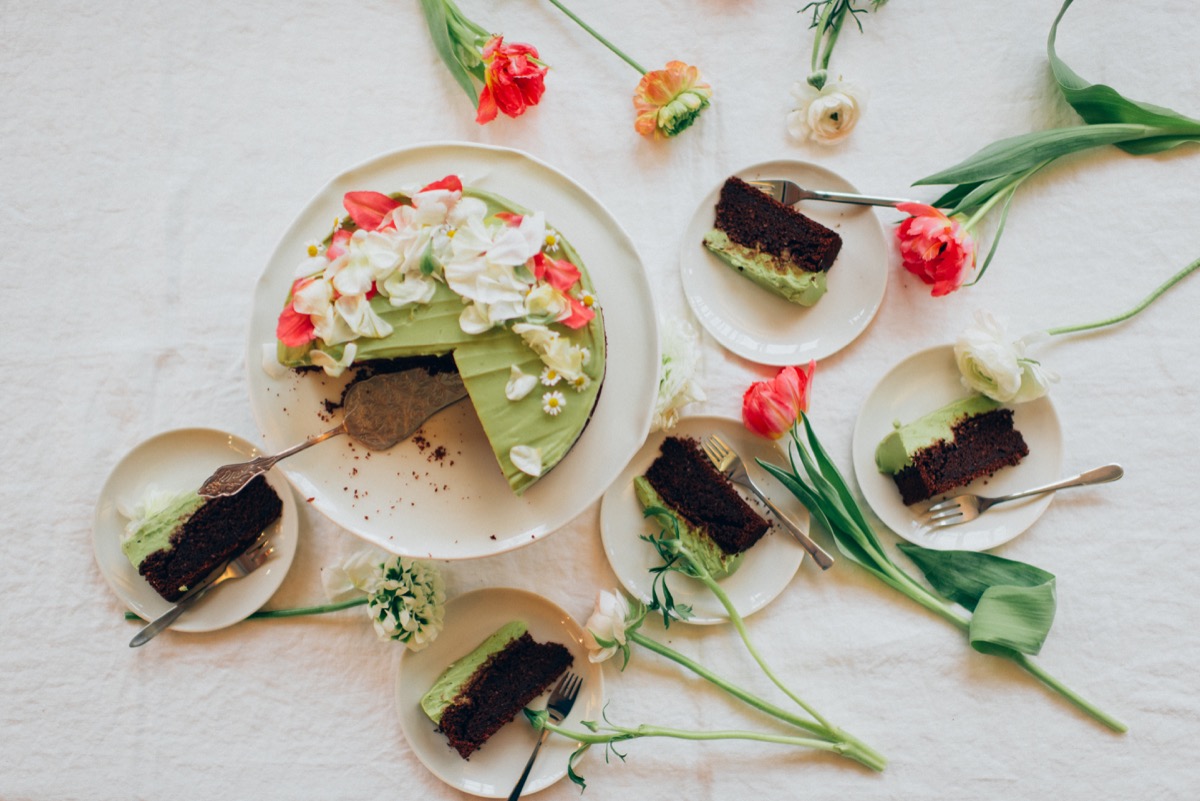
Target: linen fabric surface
[[154, 153]]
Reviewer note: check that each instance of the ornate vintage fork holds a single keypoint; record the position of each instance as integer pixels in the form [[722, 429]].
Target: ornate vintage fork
[[727, 461], [558, 707], [236, 568], [965, 508], [789, 193]]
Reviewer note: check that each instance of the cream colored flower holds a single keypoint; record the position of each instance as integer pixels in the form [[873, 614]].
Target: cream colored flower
[[826, 115], [677, 386], [608, 623], [993, 364]]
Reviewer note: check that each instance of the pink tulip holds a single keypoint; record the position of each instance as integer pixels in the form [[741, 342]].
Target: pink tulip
[[514, 79], [935, 248], [770, 408]]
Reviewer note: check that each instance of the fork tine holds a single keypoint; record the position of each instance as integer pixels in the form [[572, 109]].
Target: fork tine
[[942, 505]]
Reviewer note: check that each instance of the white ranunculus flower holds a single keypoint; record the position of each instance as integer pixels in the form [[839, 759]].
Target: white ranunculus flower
[[826, 115], [995, 365], [608, 622], [407, 602]]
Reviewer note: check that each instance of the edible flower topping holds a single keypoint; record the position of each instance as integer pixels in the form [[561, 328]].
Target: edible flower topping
[[553, 403], [519, 384], [550, 376], [527, 459]]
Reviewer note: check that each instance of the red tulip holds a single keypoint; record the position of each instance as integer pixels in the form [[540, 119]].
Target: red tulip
[[935, 248], [513, 82], [771, 408]]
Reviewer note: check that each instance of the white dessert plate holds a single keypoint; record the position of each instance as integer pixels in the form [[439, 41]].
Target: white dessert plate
[[768, 566], [409, 500], [921, 383], [175, 461], [493, 770], [763, 327]]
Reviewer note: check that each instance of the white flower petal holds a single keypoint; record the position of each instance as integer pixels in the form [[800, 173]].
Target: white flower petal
[[519, 384], [331, 366], [527, 459]]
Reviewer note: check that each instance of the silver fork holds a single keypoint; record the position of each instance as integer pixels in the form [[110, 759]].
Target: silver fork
[[789, 193], [728, 462], [558, 707], [236, 568], [965, 508]]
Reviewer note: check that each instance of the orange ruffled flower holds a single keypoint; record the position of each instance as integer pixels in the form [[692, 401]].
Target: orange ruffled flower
[[667, 101]]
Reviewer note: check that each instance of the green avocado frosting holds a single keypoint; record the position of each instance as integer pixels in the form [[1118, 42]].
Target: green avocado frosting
[[485, 362], [896, 450], [766, 270], [451, 682], [718, 563], [154, 533]]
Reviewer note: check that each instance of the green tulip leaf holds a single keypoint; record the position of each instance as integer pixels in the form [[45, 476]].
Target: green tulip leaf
[[443, 42], [1100, 104], [1012, 603]]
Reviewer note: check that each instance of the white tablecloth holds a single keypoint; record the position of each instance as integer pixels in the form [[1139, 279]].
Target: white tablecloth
[[152, 155]]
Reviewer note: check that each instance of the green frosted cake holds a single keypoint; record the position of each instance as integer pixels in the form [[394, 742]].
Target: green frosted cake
[[950, 447], [773, 245], [715, 523], [453, 270], [485, 689], [177, 541]]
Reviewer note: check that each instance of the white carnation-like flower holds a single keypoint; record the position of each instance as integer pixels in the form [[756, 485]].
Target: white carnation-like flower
[[677, 385], [826, 115], [994, 365], [407, 602]]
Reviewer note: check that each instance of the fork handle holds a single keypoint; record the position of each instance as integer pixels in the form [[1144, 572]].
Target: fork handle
[[160, 623], [516, 793], [846, 197], [1100, 475], [819, 554]]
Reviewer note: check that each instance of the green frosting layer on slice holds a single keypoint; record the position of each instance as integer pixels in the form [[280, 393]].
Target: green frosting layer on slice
[[896, 450], [800, 287], [154, 534], [485, 362], [718, 563], [454, 678]]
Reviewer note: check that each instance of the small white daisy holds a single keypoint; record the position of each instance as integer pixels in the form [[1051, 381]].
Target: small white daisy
[[585, 355], [580, 382], [551, 242], [550, 377], [313, 248], [553, 403], [587, 298]]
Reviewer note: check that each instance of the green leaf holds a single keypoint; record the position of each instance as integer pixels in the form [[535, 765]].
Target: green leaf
[[1013, 603], [439, 29], [571, 760], [1099, 104], [1022, 152]]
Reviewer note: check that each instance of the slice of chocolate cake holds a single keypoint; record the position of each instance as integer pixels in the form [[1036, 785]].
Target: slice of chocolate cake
[[488, 687], [190, 537], [950, 448], [772, 244], [717, 524]]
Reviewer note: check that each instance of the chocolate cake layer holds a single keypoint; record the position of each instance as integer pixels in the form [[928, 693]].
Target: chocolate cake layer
[[496, 693], [755, 220], [982, 444], [693, 489]]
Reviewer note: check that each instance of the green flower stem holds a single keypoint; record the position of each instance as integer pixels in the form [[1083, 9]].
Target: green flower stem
[[264, 614], [822, 26], [1153, 296], [463, 22], [740, 625], [1066, 692], [858, 750], [615, 734], [598, 37]]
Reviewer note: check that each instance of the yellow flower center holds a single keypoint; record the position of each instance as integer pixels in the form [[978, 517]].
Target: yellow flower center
[[313, 250], [551, 240]]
